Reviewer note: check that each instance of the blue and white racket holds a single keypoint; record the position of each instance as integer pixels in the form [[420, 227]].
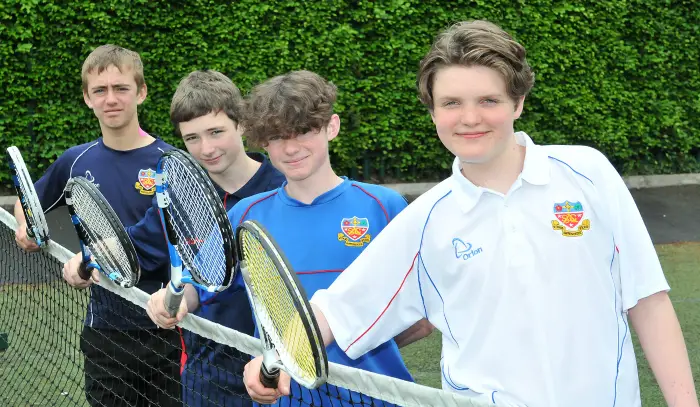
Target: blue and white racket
[[104, 243], [199, 234], [37, 228]]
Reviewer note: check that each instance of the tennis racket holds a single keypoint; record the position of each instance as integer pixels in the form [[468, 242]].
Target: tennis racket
[[37, 228], [288, 330], [198, 231], [104, 243]]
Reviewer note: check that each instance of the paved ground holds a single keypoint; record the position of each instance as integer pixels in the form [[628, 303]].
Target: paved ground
[[672, 214]]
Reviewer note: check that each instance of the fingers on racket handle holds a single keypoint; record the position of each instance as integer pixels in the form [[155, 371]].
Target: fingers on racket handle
[[269, 378], [173, 300], [84, 272]]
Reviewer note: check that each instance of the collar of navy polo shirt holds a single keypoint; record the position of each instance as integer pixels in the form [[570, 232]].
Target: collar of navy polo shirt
[[260, 179], [536, 171]]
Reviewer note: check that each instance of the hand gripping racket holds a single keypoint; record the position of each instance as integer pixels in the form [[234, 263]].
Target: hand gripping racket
[[198, 231], [37, 228], [288, 330], [104, 243]]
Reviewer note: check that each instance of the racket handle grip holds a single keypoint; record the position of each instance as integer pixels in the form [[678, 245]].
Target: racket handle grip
[[173, 300], [269, 378], [84, 272]]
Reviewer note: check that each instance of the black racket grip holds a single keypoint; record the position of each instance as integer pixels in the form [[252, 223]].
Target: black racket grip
[[84, 272], [269, 378]]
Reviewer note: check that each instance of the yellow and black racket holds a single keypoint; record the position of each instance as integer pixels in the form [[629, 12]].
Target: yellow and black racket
[[288, 330]]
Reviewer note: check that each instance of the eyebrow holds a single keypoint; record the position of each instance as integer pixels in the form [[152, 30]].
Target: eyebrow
[[207, 130], [116, 85], [489, 96]]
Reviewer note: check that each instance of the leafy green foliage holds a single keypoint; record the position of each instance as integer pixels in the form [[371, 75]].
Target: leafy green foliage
[[619, 75]]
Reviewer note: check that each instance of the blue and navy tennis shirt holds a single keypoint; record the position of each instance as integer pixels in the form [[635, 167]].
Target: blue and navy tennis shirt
[[320, 240], [127, 181]]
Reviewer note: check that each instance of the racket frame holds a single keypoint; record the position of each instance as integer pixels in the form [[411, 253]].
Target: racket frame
[[271, 359], [37, 227], [85, 239], [189, 274]]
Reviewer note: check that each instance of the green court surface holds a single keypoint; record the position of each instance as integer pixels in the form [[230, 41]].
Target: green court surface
[[681, 264]]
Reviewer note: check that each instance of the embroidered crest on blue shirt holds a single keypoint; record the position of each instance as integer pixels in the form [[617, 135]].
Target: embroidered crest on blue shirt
[[147, 182], [354, 231], [465, 251], [569, 219]]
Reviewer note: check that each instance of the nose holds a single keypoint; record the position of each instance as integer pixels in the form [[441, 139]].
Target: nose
[[207, 147], [111, 97], [470, 116], [291, 146]]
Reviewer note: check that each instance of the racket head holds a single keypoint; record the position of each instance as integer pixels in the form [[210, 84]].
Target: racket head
[[37, 227], [196, 222], [100, 229], [281, 307]]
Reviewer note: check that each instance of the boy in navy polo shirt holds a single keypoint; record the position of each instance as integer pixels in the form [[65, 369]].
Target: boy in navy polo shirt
[[121, 163], [206, 111]]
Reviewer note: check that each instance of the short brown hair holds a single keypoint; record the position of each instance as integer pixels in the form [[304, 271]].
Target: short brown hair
[[288, 105], [203, 92], [105, 55], [476, 43]]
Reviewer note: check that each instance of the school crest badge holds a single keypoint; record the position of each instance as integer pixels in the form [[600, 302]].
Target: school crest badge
[[147, 182], [354, 231], [570, 219]]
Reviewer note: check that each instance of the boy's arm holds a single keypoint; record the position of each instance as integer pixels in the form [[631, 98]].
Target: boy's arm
[[149, 241], [23, 241], [660, 335], [644, 292], [416, 332]]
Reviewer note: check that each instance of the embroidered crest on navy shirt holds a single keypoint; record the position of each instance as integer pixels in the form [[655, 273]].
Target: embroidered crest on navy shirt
[[147, 182]]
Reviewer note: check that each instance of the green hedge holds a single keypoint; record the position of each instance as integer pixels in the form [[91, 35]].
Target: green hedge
[[621, 75]]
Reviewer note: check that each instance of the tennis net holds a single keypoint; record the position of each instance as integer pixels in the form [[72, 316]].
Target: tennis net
[[42, 350]]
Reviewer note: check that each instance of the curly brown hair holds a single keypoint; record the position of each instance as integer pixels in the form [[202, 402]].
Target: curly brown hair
[[476, 43], [288, 105]]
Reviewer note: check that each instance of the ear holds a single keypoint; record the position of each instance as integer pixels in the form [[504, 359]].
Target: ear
[[432, 116], [333, 127], [519, 108], [142, 93], [87, 100]]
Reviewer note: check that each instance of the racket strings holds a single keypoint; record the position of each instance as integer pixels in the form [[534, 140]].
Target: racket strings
[[277, 313], [102, 239], [200, 242]]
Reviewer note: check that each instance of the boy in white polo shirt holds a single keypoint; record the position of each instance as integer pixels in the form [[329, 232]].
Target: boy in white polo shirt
[[533, 261]]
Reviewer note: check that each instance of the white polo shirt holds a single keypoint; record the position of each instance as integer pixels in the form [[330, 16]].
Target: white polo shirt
[[530, 290]]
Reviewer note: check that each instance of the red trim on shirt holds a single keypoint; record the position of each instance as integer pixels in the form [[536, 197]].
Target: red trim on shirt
[[253, 204], [376, 199], [387, 306], [225, 197], [183, 356]]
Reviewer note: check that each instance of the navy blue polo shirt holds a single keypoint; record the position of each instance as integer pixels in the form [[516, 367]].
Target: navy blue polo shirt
[[203, 356], [127, 181]]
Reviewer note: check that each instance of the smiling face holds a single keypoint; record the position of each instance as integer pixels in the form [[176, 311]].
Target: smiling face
[[305, 155], [113, 96], [214, 140], [473, 113]]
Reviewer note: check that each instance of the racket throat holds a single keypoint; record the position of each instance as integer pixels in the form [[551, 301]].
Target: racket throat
[[271, 362]]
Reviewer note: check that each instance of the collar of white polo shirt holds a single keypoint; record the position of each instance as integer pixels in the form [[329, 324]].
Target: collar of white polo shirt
[[536, 171]]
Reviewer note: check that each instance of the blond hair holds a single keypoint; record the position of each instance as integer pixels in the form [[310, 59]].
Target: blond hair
[[476, 43], [105, 55]]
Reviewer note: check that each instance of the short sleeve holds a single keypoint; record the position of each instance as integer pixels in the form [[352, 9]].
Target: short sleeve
[[384, 277]]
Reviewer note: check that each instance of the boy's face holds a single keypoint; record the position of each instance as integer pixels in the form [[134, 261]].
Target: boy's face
[[113, 96], [473, 113], [214, 140], [300, 157]]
